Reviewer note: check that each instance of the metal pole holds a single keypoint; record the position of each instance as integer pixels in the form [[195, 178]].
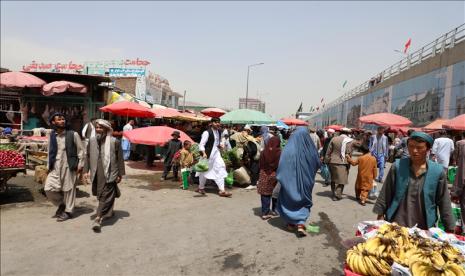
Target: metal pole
[[184, 102], [247, 88]]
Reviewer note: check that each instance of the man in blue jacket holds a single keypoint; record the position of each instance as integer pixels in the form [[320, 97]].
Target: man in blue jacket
[[380, 150], [415, 189]]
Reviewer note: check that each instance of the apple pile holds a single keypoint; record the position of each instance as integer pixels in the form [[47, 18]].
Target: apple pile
[[11, 159]]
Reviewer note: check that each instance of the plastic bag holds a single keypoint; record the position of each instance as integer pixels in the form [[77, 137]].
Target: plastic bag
[[325, 172], [374, 193], [451, 172], [229, 180], [242, 176], [202, 165]]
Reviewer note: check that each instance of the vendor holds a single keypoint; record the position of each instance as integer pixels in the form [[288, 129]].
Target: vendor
[[415, 189]]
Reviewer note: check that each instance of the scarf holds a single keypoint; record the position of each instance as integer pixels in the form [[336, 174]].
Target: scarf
[[265, 134], [269, 158], [343, 147], [92, 130], [107, 147]]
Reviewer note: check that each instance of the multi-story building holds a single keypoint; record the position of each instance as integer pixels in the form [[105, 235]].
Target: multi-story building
[[254, 104], [422, 108]]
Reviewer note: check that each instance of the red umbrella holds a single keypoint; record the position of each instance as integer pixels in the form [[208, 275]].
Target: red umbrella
[[385, 119], [19, 80], [335, 127], [166, 112], [154, 135], [213, 112], [128, 109], [457, 123], [62, 86], [294, 122], [435, 125]]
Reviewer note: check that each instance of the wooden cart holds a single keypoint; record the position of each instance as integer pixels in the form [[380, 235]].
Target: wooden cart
[[6, 174]]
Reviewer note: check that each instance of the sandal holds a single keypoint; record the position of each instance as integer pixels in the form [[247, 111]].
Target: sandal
[[291, 227], [200, 191], [224, 194], [301, 231], [266, 217]]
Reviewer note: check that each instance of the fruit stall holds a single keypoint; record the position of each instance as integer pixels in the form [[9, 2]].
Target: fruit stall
[[11, 163], [389, 249]]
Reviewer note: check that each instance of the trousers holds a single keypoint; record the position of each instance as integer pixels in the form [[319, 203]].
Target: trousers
[[203, 180], [167, 169], [337, 189], [266, 201], [67, 198], [380, 161]]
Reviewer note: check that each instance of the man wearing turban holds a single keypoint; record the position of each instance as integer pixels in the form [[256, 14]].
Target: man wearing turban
[[104, 168]]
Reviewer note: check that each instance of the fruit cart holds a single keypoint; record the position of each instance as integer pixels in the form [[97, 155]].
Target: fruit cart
[[6, 174]]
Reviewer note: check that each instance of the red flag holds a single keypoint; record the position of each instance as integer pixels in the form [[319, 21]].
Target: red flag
[[407, 45], [321, 100], [317, 108]]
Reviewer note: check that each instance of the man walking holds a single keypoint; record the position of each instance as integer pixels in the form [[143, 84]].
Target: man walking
[[338, 148], [379, 149], [210, 148], [173, 146], [443, 147], [65, 162], [415, 189], [126, 144], [315, 138], [104, 168]]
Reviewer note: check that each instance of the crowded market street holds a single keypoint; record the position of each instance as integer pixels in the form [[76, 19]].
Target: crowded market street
[[159, 227]]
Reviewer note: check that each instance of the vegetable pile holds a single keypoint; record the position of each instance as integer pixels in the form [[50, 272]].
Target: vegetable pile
[[11, 159], [7, 147]]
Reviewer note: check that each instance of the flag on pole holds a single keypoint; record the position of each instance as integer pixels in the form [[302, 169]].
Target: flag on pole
[[300, 108], [317, 108], [407, 45], [344, 84], [322, 99], [323, 105], [311, 108]]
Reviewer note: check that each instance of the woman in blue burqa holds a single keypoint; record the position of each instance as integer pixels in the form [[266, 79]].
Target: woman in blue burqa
[[296, 172]]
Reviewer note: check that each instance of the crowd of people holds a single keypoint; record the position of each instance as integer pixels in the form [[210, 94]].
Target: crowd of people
[[282, 165]]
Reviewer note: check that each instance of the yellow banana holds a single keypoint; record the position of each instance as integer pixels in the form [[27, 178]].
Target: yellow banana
[[455, 268], [372, 270]]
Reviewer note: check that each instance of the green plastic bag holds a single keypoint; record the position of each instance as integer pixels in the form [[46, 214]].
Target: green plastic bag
[[202, 165], [230, 178], [451, 172]]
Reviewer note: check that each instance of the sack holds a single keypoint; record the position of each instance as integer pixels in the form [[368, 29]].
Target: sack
[[202, 165], [241, 176]]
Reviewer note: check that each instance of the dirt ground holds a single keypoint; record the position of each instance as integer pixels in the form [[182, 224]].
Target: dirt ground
[[159, 229]]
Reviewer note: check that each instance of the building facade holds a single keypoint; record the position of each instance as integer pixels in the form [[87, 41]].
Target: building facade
[[254, 104]]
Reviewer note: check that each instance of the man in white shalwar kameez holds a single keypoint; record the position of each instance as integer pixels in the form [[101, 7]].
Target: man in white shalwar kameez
[[210, 147]]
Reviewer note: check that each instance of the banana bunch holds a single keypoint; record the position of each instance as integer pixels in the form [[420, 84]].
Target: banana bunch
[[452, 254], [420, 268], [363, 263]]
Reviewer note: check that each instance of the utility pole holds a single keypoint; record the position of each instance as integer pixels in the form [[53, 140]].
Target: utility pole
[[184, 101]]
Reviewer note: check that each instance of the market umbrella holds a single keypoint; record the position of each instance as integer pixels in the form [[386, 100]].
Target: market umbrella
[[385, 119], [436, 124], [281, 124], [166, 112], [246, 116], [20, 80], [335, 127], [128, 109], [213, 112], [294, 122], [154, 135], [61, 86], [185, 116], [457, 123]]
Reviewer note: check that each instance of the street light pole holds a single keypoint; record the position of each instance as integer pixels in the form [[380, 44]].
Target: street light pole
[[247, 87]]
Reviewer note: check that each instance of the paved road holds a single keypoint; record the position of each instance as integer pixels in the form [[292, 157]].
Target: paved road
[[162, 230]]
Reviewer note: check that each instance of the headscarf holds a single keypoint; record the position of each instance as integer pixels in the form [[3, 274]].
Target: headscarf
[[265, 134], [107, 147], [297, 168], [269, 158]]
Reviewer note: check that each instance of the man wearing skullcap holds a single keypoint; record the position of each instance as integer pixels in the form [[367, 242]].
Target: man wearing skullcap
[[104, 168], [415, 189], [65, 162]]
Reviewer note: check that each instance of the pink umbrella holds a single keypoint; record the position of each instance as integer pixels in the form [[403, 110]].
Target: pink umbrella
[[62, 86], [385, 119], [19, 80], [154, 135], [294, 122], [213, 112], [166, 112], [128, 109], [457, 123]]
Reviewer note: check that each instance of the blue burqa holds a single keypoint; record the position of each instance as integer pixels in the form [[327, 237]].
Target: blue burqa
[[296, 172]]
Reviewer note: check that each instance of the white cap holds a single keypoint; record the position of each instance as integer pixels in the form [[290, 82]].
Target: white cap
[[346, 129], [247, 127], [330, 130]]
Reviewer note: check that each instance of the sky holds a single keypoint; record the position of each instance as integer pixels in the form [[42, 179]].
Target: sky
[[308, 48]]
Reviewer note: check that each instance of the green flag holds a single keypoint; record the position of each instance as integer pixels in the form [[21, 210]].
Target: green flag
[[344, 84]]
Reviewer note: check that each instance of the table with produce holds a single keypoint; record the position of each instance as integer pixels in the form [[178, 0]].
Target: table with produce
[[11, 163], [389, 249]]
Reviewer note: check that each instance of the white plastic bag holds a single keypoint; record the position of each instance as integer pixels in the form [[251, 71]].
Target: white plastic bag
[[241, 176]]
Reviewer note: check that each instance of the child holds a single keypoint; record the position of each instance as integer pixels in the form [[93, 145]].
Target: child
[[186, 160], [367, 172]]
